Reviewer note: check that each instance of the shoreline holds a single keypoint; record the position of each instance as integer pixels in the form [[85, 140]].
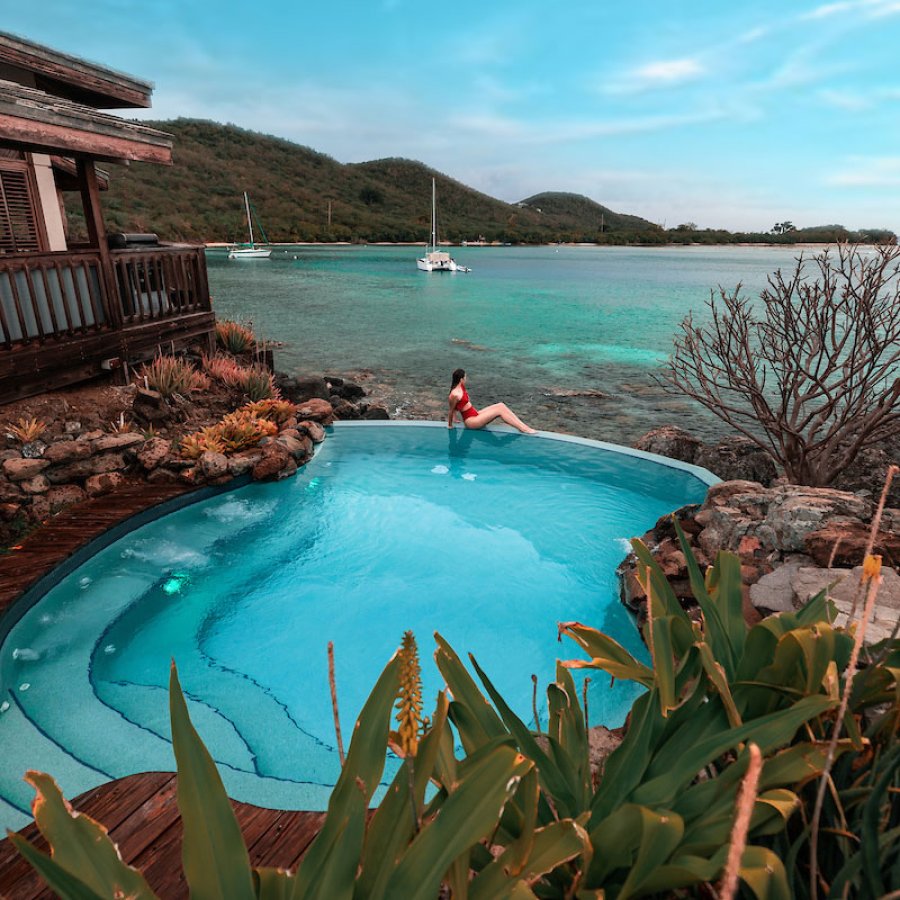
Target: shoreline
[[800, 245]]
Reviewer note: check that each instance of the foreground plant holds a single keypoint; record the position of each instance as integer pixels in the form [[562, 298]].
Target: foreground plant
[[26, 430], [171, 376], [233, 337]]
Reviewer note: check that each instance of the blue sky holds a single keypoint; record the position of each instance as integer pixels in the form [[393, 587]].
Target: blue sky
[[737, 115]]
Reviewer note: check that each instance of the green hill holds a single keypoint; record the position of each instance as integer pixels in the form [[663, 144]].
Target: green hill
[[290, 186]]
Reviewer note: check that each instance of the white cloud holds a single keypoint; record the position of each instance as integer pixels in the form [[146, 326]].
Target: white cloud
[[669, 71], [845, 100], [867, 171]]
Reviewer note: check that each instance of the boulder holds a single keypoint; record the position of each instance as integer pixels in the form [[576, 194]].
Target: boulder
[[334, 381], [304, 388], [376, 411], [845, 545], [344, 409], [161, 476], [72, 427], [212, 464], [797, 511], [117, 441], [39, 510], [315, 431], [67, 451], [350, 390], [241, 463], [33, 449], [8, 511], [65, 495], [154, 451], [868, 471], [774, 592], [601, 743], [98, 485], [671, 441], [9, 492], [90, 436], [737, 458], [316, 410], [276, 462], [300, 448], [19, 469], [37, 485], [149, 406]]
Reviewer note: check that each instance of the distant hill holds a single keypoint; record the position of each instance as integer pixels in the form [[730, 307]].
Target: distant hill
[[290, 186]]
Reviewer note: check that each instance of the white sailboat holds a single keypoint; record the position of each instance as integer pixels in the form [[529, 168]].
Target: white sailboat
[[251, 250], [436, 260]]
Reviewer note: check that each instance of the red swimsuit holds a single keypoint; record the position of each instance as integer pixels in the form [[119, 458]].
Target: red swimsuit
[[465, 413]]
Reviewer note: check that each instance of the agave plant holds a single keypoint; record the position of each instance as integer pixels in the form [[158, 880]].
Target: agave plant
[[193, 446], [258, 383], [169, 375], [406, 849], [275, 410], [233, 337], [25, 431]]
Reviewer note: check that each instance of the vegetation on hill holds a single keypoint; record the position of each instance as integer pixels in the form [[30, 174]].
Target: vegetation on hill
[[303, 195]]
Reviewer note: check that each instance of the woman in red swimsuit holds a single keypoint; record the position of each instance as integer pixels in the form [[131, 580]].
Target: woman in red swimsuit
[[472, 418]]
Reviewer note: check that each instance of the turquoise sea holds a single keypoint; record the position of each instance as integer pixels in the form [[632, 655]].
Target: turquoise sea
[[570, 337]]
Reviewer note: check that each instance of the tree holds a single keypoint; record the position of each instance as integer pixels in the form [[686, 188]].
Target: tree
[[811, 372]]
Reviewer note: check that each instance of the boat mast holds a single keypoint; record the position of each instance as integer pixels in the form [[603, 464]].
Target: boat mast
[[249, 220], [433, 217]]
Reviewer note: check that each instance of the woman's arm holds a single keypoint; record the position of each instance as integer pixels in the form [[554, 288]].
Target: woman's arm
[[452, 412]]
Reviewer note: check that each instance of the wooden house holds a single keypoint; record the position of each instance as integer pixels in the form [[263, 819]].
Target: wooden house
[[70, 311]]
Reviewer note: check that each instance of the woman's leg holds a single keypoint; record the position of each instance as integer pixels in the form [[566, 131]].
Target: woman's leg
[[498, 411]]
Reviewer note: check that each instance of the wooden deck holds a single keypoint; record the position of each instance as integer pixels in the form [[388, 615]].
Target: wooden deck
[[141, 814], [55, 542]]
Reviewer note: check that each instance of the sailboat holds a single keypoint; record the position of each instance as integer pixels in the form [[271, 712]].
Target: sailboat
[[251, 250], [436, 260]]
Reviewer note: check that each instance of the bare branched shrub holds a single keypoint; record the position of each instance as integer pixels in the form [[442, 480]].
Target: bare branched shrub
[[811, 371]]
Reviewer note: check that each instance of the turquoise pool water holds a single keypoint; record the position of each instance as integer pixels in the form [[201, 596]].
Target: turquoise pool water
[[490, 538]]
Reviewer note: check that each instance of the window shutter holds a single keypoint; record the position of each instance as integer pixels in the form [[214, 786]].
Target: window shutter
[[18, 223]]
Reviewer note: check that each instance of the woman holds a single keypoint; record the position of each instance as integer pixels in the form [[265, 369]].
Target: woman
[[472, 418]]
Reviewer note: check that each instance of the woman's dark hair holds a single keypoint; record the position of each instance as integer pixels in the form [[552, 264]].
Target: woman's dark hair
[[458, 375]]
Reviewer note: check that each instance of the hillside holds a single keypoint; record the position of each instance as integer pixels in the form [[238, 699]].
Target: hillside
[[199, 197]]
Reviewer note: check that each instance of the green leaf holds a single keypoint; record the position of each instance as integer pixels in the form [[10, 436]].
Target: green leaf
[[606, 654], [80, 845], [661, 593], [214, 856], [60, 880], [763, 872], [549, 847], [719, 679], [329, 868], [272, 884], [726, 593], [468, 815], [661, 831]]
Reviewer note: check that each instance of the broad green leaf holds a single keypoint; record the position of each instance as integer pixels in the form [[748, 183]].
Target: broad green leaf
[[763, 872], [549, 847], [560, 785], [272, 884], [465, 691], [661, 831], [682, 871], [469, 814], [719, 679], [213, 853], [60, 880], [661, 593], [726, 593], [334, 855], [80, 845], [606, 654], [429, 750]]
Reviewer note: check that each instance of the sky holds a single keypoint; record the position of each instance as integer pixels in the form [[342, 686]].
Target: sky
[[720, 114]]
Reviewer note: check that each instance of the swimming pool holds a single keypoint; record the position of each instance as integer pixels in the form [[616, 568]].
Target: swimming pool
[[490, 538]]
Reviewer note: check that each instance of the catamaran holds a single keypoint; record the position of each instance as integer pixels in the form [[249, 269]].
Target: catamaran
[[251, 250], [436, 260]]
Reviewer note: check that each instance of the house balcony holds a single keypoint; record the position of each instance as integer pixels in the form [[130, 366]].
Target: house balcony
[[72, 315]]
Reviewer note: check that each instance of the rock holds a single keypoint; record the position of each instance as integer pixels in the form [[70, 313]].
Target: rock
[[241, 463], [301, 449], [89, 436], [97, 485], [40, 509], [344, 409], [315, 431], [33, 449], [671, 441], [601, 743], [334, 381], [845, 545], [737, 457], [316, 410], [8, 511], [867, 473], [84, 468], [154, 451], [797, 511], [303, 389], [72, 427], [161, 476], [37, 485], [149, 406], [213, 465], [65, 495], [376, 411], [9, 454], [774, 592], [117, 441], [19, 469], [274, 463], [350, 390], [9, 493], [67, 451]]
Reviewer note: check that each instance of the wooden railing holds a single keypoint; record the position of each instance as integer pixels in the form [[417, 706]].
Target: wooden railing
[[47, 296]]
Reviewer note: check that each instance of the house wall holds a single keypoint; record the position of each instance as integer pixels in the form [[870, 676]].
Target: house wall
[[48, 203]]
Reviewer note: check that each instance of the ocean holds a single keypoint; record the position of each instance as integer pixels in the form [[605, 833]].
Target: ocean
[[570, 337]]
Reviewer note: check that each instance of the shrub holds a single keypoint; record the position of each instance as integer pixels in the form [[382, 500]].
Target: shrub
[[233, 337], [170, 375], [193, 446], [277, 411], [256, 382], [26, 430], [811, 373]]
